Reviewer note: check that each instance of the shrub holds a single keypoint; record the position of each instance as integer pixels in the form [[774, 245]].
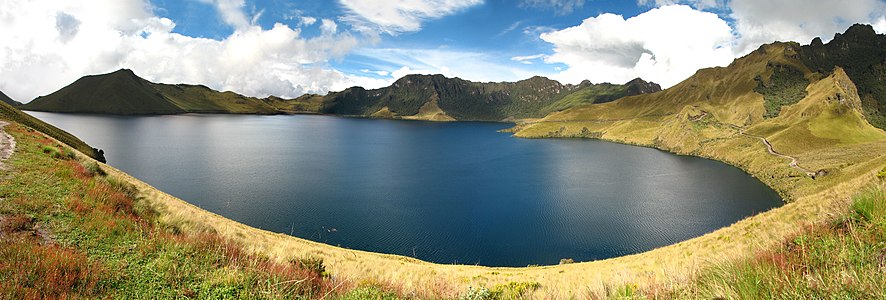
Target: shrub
[[94, 169], [312, 264], [480, 293], [882, 174], [870, 205]]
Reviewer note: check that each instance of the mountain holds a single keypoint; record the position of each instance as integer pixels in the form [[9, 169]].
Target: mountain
[[124, 93], [816, 104], [436, 97], [13, 114], [426, 97], [7, 100], [861, 52]]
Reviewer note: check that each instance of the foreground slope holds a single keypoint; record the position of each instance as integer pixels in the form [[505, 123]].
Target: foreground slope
[[124, 93], [10, 113]]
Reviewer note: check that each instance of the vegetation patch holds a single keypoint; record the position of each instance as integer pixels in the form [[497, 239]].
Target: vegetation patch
[[68, 230], [785, 86], [844, 259]]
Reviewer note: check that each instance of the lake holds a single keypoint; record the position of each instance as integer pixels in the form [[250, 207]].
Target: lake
[[442, 192]]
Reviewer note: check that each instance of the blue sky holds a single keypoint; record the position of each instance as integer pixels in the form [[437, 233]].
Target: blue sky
[[502, 29], [288, 48]]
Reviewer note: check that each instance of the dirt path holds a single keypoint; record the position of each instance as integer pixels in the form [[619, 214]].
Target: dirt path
[[7, 144], [794, 163]]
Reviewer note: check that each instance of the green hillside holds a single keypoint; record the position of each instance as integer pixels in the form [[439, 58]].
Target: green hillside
[[425, 97], [465, 100], [10, 113], [121, 92], [861, 52], [816, 120], [5, 99], [124, 93]]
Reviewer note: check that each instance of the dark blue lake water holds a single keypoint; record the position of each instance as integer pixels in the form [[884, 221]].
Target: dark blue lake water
[[442, 192]]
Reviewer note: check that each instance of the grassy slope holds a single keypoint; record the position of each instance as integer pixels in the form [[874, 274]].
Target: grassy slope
[[124, 93], [458, 99], [5, 99], [69, 230], [121, 92], [839, 259], [10, 113], [201, 99], [861, 52]]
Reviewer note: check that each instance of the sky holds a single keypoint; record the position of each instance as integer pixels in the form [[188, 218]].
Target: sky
[[289, 48]]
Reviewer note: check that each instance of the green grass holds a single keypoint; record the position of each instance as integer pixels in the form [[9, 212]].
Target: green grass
[[10, 113], [68, 231], [844, 259]]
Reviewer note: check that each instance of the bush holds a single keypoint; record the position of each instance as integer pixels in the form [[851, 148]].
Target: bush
[[312, 264], [882, 174], [480, 293], [870, 205], [94, 169]]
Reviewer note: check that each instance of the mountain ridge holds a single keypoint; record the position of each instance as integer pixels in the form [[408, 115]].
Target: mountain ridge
[[420, 97]]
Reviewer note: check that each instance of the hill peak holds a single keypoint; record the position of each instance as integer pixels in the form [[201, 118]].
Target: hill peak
[[639, 86], [857, 31]]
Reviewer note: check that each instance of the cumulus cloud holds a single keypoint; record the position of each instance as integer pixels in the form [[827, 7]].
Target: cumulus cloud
[[561, 7], [328, 27], [398, 16], [469, 65], [698, 4], [45, 45], [664, 45], [763, 21]]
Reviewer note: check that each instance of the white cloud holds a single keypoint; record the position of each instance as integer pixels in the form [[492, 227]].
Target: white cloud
[[561, 7], [469, 65], [880, 25], [527, 59], [307, 21], [328, 27], [379, 73], [231, 12], [397, 16], [698, 4], [664, 45], [45, 45], [763, 21]]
